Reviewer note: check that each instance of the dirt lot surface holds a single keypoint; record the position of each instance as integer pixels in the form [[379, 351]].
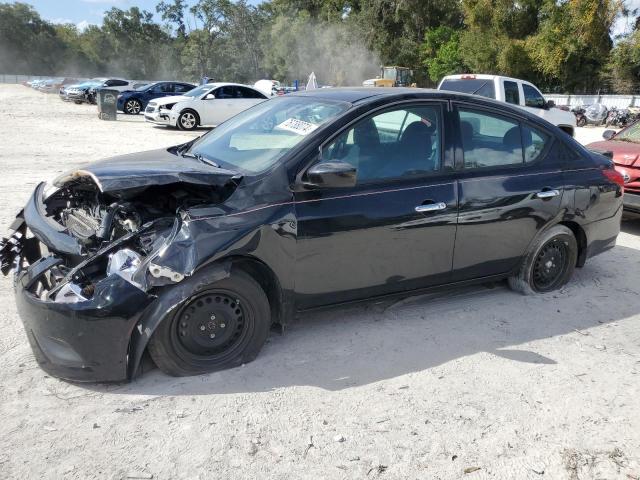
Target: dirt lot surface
[[474, 383]]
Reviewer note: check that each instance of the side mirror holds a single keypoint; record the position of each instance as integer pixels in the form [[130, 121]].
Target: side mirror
[[209, 96], [551, 104], [608, 134], [331, 175]]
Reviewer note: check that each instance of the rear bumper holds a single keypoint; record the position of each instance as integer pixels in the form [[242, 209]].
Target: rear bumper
[[601, 235]]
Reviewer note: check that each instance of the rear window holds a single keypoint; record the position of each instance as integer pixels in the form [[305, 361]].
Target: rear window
[[474, 86]]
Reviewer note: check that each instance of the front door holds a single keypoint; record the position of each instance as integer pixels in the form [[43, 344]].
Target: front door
[[395, 230], [510, 187]]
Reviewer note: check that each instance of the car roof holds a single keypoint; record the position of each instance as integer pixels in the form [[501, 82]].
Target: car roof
[[482, 76], [224, 84], [366, 95]]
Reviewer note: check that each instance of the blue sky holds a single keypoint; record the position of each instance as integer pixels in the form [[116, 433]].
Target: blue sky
[[84, 12]]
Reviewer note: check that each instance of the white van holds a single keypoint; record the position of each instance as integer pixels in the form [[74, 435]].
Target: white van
[[511, 90]]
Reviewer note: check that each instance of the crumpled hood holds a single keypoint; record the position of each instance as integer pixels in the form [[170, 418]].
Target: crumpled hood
[[624, 153], [145, 169]]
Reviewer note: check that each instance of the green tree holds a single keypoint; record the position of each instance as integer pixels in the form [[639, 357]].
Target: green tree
[[573, 42], [441, 52], [139, 44], [622, 71], [28, 44], [493, 40]]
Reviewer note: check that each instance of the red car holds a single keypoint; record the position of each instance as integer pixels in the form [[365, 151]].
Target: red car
[[624, 148]]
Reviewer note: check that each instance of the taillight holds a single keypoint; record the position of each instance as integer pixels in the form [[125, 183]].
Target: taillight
[[614, 175]]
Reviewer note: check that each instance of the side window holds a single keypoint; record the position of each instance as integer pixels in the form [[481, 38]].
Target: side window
[[534, 141], [224, 92], [163, 88], [393, 144], [511, 93], [116, 83], [489, 140], [242, 92], [181, 88], [532, 97]]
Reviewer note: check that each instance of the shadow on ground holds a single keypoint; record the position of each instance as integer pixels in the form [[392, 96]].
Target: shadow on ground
[[350, 347]]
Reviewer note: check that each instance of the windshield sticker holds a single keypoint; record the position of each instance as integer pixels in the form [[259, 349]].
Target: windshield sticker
[[299, 127]]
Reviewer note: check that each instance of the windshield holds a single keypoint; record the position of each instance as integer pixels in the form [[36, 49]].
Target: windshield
[[389, 73], [196, 92], [257, 138], [630, 134], [474, 86], [89, 84]]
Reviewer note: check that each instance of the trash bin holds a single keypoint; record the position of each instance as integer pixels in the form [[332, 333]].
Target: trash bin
[[107, 104]]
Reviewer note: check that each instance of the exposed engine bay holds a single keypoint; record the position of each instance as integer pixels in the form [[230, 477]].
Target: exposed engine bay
[[93, 217], [82, 235]]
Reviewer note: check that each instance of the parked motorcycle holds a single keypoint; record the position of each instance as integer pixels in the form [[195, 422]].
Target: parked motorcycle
[[578, 111], [595, 114], [619, 117]]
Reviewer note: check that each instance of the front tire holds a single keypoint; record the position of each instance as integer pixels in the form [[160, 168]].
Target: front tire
[[188, 120], [549, 264], [220, 325], [132, 107]]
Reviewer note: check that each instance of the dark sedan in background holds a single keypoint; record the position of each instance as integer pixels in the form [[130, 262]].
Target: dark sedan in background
[[135, 101], [308, 200], [624, 148]]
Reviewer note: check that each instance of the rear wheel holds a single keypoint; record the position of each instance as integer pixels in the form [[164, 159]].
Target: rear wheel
[[132, 107], [549, 264], [218, 326], [188, 120]]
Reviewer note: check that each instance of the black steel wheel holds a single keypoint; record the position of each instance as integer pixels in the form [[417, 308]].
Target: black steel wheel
[[211, 324], [549, 264], [132, 107], [217, 326]]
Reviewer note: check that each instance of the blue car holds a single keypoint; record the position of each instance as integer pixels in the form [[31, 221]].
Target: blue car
[[135, 101]]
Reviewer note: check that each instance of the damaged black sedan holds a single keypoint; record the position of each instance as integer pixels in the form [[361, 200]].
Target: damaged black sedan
[[313, 199]]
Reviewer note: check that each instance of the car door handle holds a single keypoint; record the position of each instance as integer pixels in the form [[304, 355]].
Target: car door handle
[[431, 207], [548, 194]]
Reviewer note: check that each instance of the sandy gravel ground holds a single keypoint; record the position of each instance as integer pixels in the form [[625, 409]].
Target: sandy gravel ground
[[476, 383]]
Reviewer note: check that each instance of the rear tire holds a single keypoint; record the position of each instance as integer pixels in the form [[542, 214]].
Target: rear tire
[[132, 107], [549, 264], [219, 326]]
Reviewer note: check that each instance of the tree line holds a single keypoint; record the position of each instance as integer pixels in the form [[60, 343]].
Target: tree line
[[564, 46]]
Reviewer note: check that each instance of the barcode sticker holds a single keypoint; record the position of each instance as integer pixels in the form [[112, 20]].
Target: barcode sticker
[[299, 127]]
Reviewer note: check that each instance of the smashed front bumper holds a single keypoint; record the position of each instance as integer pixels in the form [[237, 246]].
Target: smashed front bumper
[[83, 341], [76, 334], [158, 116]]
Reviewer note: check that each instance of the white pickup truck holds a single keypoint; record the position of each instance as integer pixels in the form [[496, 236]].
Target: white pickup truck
[[511, 90]]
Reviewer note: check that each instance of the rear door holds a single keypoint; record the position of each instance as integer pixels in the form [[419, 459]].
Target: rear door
[[213, 111], [395, 229], [510, 186]]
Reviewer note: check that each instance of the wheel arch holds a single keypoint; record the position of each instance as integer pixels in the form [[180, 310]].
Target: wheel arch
[[192, 110], [218, 270], [581, 238], [576, 229]]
